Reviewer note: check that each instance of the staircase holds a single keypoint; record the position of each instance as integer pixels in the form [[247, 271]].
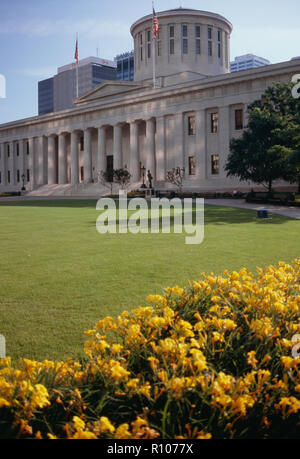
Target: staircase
[[95, 190]]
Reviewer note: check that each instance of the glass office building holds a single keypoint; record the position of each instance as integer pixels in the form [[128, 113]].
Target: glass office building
[[247, 61], [125, 66], [46, 96], [58, 93]]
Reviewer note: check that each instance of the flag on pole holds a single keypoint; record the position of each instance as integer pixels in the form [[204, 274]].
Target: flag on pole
[[76, 49], [155, 23], [76, 58]]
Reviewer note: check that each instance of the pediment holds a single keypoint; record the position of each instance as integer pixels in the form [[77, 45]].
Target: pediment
[[109, 89]]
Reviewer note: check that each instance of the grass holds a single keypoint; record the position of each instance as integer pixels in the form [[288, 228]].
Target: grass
[[59, 276]]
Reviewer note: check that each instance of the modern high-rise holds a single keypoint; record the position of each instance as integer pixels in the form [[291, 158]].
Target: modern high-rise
[[125, 66], [248, 61], [57, 93], [46, 96]]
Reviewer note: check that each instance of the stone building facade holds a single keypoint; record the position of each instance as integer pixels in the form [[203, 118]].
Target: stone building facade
[[186, 120]]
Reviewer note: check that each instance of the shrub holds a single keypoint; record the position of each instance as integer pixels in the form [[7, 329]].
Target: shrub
[[211, 360]]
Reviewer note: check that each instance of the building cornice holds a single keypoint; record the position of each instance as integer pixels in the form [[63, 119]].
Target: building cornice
[[152, 95]]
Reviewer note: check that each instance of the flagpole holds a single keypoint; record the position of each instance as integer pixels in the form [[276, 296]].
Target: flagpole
[[153, 50], [77, 79]]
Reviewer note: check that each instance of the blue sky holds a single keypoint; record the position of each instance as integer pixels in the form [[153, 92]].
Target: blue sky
[[37, 36]]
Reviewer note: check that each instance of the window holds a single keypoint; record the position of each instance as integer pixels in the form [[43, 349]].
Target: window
[[141, 46], [215, 164], [239, 125], [198, 42], [172, 47], [185, 46], [214, 122], [219, 44], [192, 165], [8, 150], [172, 32], [27, 147], [210, 46], [18, 149], [191, 125], [18, 176], [8, 176], [149, 43], [28, 175], [0, 177]]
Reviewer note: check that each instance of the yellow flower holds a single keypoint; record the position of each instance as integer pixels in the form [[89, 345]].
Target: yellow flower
[[40, 397], [122, 432], [203, 436], [252, 361], [106, 426]]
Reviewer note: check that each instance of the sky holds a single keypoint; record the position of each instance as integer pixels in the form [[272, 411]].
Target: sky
[[37, 36]]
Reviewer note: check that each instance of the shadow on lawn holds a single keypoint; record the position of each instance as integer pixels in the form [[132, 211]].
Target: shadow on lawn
[[216, 215], [221, 216]]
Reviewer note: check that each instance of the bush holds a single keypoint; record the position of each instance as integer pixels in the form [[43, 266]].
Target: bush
[[211, 360]]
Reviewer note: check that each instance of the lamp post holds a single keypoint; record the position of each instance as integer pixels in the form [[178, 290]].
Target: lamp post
[[23, 179], [143, 169]]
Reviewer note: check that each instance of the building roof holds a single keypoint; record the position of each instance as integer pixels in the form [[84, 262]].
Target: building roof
[[180, 12]]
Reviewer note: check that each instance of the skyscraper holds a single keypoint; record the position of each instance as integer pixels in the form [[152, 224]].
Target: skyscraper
[[247, 61], [125, 66], [57, 93]]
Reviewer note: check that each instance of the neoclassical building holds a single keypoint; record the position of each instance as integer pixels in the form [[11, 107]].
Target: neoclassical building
[[186, 119]]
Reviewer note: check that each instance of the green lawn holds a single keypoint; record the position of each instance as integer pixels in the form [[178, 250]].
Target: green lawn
[[59, 276]]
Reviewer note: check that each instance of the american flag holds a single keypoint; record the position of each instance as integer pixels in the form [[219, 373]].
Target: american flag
[[155, 24]]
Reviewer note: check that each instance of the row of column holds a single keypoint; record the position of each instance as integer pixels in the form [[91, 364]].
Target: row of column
[[48, 164]]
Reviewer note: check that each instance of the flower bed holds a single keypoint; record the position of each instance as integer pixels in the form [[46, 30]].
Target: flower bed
[[215, 359]]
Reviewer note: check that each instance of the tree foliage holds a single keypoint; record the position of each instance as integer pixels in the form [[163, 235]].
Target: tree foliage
[[269, 148]]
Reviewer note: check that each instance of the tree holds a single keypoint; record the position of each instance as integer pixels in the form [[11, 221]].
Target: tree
[[105, 179], [175, 177], [267, 150], [120, 177]]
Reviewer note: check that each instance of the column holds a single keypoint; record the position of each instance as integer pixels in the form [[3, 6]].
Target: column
[[161, 148], [88, 173], [150, 147], [101, 160], [118, 146], [3, 163], [224, 138], [13, 169], [134, 152], [51, 160], [74, 159], [31, 161], [201, 153], [62, 160], [179, 139], [40, 160], [22, 158]]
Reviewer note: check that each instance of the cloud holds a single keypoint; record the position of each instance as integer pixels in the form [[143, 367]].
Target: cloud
[[91, 28]]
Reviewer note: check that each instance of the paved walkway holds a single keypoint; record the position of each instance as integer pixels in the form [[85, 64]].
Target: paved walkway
[[292, 212], [287, 211]]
